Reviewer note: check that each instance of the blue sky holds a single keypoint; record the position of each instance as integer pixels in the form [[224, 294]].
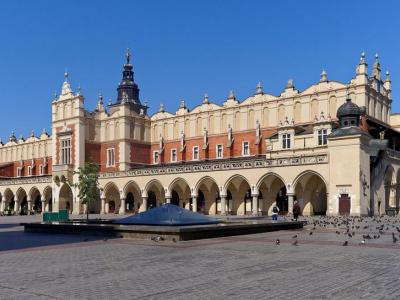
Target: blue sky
[[182, 49]]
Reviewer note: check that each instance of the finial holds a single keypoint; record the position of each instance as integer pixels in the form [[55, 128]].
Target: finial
[[205, 101], [145, 103], [324, 76], [231, 95], [79, 89], [387, 75], [259, 88], [289, 84], [66, 74], [182, 105], [161, 107], [32, 133], [362, 58], [55, 96], [100, 98], [109, 102], [128, 56], [376, 56]]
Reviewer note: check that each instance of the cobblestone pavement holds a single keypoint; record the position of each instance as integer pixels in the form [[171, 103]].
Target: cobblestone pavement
[[39, 266]]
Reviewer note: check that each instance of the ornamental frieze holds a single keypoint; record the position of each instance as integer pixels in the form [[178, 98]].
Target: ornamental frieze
[[27, 180]]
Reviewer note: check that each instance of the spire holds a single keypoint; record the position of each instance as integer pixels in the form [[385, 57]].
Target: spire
[[100, 104], [289, 84], [362, 58], [388, 84], [66, 87], [205, 101], [324, 76], [362, 67], [259, 90], [182, 105], [376, 71], [231, 96], [128, 56], [12, 137], [161, 107], [32, 134]]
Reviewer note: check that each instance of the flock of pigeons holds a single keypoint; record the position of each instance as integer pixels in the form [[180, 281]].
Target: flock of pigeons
[[362, 228]]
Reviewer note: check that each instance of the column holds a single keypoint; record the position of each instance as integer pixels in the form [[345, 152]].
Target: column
[[2, 205], [29, 202], [223, 205], [144, 204], [16, 207], [290, 204], [255, 205], [194, 203], [122, 209], [43, 201], [103, 205]]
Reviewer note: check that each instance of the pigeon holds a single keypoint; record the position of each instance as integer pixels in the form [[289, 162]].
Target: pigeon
[[174, 240], [295, 243], [337, 232], [362, 242], [277, 242], [294, 237], [345, 243], [311, 232]]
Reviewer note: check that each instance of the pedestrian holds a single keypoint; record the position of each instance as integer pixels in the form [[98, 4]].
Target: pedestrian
[[296, 210], [275, 211]]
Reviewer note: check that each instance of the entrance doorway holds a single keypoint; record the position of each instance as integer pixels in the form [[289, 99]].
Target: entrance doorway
[[344, 204]]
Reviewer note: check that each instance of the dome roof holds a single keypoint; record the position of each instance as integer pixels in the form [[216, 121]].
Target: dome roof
[[348, 109]]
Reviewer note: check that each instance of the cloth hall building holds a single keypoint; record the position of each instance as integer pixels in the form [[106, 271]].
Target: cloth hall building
[[333, 147]]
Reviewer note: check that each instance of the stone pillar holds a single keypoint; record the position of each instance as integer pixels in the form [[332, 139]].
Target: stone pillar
[[255, 205], [290, 204], [144, 204], [16, 207], [223, 205], [168, 199], [2, 205], [194, 203], [103, 205], [29, 202], [43, 201], [122, 209]]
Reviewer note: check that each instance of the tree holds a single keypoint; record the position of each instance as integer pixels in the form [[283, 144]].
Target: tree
[[88, 184]]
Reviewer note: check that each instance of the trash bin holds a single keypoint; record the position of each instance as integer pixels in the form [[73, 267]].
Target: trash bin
[[63, 215]]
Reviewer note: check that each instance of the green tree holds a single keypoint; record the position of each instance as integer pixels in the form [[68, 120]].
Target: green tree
[[88, 184]]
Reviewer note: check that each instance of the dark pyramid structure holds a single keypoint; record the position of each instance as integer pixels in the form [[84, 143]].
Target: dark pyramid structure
[[167, 215]]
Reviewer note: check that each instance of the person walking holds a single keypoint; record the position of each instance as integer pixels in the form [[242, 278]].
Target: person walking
[[296, 210], [275, 211]]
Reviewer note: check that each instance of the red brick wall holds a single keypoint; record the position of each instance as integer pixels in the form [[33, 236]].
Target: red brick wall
[[210, 153], [140, 153]]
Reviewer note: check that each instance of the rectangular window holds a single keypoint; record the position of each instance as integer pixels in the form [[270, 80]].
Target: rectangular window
[[286, 141], [41, 169], [29, 170], [155, 157], [110, 157], [173, 155], [322, 137], [19, 172], [65, 151], [196, 153], [220, 151], [245, 149]]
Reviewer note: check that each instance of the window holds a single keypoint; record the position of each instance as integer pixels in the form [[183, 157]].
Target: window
[[286, 141], [110, 157], [173, 155], [155, 157], [66, 151], [245, 149], [322, 137], [29, 170], [41, 170], [196, 153], [220, 151], [19, 172]]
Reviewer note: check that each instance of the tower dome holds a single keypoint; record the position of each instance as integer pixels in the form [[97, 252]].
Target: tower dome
[[348, 114]]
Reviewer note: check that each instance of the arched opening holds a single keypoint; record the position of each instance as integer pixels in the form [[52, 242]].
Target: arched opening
[[238, 190], [133, 198], [208, 190], [112, 201], [155, 193], [47, 194], [390, 188], [9, 202], [310, 192], [23, 202], [180, 193], [95, 206], [65, 200], [272, 191], [36, 200]]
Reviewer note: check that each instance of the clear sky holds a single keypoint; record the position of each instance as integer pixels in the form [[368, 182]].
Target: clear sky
[[182, 49]]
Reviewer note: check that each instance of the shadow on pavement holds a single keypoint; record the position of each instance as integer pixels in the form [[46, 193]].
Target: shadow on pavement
[[2, 226], [18, 240]]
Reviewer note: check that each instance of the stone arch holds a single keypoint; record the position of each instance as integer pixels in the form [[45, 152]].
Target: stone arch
[[239, 187], [8, 199], [310, 189], [212, 200], [180, 193], [66, 198], [47, 195], [272, 191], [36, 198], [155, 193], [133, 197], [112, 198], [22, 198]]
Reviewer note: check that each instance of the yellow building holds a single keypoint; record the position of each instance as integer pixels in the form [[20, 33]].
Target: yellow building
[[332, 147]]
